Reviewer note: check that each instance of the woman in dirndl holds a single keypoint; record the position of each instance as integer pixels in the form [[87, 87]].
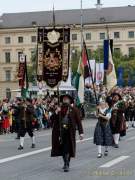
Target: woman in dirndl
[[102, 133]]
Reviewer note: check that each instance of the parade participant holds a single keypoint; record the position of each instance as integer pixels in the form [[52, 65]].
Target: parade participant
[[117, 121], [129, 113], [26, 115], [1, 129], [64, 123], [16, 116], [102, 133], [10, 116], [133, 123], [5, 121]]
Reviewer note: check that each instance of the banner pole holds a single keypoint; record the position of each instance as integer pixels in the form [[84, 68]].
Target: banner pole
[[90, 72]]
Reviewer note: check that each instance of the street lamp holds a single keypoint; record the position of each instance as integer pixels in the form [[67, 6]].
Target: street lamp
[[98, 5]]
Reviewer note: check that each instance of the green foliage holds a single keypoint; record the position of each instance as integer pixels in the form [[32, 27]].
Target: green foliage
[[32, 68], [75, 61], [97, 54], [127, 62], [120, 60]]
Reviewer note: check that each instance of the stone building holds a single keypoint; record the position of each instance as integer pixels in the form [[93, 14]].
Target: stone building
[[18, 33]]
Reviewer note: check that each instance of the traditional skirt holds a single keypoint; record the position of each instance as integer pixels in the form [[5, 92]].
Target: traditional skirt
[[102, 134], [5, 123]]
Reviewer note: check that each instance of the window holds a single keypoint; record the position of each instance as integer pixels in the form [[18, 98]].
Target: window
[[8, 93], [74, 37], [19, 53], [116, 35], [33, 39], [7, 40], [88, 36], [7, 57], [131, 52], [131, 34], [20, 39], [8, 75], [102, 35]]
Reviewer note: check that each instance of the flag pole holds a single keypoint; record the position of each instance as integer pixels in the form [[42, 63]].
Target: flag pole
[[82, 42], [90, 74], [105, 71], [53, 17], [81, 26]]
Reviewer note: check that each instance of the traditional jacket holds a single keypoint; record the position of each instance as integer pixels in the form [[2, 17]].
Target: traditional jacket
[[75, 122], [117, 121], [26, 115]]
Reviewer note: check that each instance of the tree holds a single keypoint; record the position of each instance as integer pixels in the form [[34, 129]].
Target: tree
[[75, 57], [98, 55]]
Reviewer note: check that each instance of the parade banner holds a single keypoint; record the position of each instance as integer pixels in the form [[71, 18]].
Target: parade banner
[[22, 71], [55, 55], [108, 43], [120, 81], [106, 54], [99, 73], [40, 62], [111, 79], [88, 80], [130, 80]]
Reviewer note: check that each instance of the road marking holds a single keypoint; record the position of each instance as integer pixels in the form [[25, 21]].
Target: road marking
[[27, 137], [114, 161], [24, 155], [130, 129], [34, 152], [87, 139], [131, 138]]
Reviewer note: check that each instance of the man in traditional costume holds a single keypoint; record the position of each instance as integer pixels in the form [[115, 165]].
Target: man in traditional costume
[[26, 115], [65, 120], [117, 122]]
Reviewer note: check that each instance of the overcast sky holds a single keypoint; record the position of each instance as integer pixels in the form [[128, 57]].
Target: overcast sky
[[9, 6]]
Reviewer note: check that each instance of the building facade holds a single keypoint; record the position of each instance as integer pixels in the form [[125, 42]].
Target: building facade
[[18, 34], [14, 42]]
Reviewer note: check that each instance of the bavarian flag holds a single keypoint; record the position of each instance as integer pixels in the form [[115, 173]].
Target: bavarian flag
[[111, 79], [82, 73]]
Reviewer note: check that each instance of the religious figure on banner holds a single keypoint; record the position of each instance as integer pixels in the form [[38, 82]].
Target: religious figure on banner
[[52, 60]]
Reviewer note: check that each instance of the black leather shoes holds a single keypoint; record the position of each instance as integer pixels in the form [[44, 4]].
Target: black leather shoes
[[106, 153], [20, 147], [99, 155], [33, 146], [66, 168], [116, 146]]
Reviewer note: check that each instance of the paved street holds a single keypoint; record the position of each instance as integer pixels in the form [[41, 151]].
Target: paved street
[[38, 165]]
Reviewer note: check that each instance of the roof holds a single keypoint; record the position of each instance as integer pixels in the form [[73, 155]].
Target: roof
[[67, 17]]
